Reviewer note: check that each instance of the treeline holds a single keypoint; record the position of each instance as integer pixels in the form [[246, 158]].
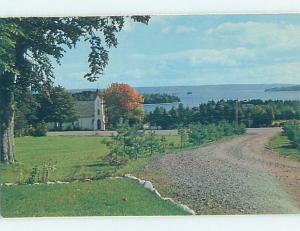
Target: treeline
[[160, 98], [252, 113], [292, 131], [35, 110], [85, 95], [290, 88], [148, 98]]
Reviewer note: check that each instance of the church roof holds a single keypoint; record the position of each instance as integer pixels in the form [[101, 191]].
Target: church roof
[[85, 109]]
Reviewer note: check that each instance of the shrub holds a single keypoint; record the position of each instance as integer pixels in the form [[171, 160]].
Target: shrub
[[201, 133], [292, 131], [130, 143], [34, 176], [39, 129]]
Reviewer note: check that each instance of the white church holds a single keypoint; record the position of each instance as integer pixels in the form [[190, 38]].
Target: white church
[[91, 116]]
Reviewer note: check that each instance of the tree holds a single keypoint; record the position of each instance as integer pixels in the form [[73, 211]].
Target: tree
[[27, 48], [59, 107], [123, 102], [25, 113]]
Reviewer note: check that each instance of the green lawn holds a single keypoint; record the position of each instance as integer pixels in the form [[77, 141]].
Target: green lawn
[[78, 158], [109, 197], [284, 146], [74, 158]]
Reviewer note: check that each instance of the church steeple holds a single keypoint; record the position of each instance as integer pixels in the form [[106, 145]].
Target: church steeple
[[97, 92]]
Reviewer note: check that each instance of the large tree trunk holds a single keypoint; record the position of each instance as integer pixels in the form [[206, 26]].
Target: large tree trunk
[[7, 147], [7, 144]]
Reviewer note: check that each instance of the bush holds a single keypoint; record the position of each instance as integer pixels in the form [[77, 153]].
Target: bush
[[130, 143], [292, 131], [39, 129], [34, 176], [202, 133]]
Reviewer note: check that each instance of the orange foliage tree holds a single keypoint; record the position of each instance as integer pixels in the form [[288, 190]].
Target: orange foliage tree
[[123, 102]]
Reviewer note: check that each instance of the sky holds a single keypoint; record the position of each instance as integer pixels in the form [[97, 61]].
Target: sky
[[195, 50]]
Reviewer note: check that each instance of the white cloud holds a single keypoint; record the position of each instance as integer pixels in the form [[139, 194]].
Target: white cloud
[[178, 29], [166, 29], [185, 29], [255, 33], [195, 57], [227, 57]]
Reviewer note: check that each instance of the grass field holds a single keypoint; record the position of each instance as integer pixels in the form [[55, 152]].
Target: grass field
[[284, 146], [111, 197], [73, 157], [77, 158]]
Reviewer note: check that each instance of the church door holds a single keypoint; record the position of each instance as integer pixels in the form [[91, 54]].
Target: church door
[[98, 124]]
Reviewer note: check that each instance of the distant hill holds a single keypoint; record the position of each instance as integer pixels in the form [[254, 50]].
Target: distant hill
[[289, 88]]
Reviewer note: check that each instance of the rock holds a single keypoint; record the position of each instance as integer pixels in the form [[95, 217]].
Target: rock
[[141, 181], [9, 184], [50, 182], [168, 199], [157, 193], [130, 177], [186, 209], [148, 185]]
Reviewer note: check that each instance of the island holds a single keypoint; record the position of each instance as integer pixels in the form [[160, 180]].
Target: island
[[289, 88], [153, 98], [156, 98]]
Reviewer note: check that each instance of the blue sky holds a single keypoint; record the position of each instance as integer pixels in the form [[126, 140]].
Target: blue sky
[[195, 50]]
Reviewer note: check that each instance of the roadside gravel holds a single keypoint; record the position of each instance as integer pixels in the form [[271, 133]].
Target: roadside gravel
[[238, 176]]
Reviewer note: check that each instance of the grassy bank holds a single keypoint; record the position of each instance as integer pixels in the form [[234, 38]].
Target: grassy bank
[[109, 197], [284, 146]]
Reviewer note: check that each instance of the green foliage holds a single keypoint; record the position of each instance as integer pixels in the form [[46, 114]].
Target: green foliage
[[130, 143], [39, 129], [29, 46], [183, 134], [201, 133], [292, 131], [27, 43], [85, 95], [47, 168], [153, 144], [252, 113], [40, 174], [160, 98], [284, 146], [59, 107], [34, 176]]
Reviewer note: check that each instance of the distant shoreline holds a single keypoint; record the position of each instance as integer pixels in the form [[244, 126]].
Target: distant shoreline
[[288, 88], [204, 85]]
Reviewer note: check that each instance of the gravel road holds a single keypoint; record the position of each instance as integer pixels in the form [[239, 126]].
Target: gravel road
[[240, 175]]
